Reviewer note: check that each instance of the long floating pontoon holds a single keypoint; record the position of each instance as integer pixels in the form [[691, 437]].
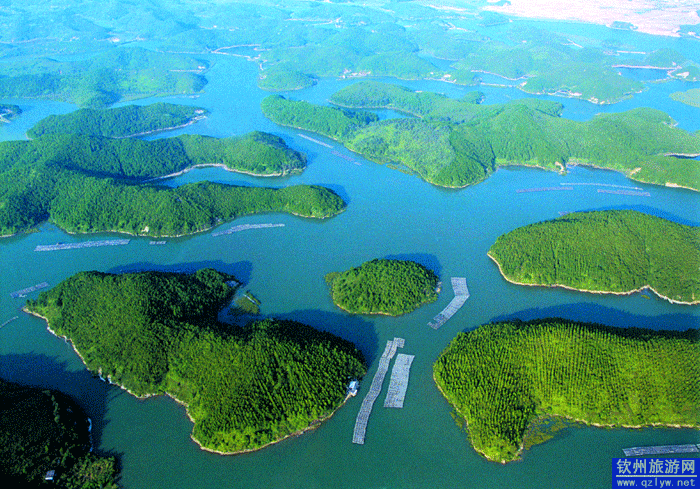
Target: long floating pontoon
[[543, 189], [358, 435], [624, 192], [84, 244], [399, 381], [459, 285], [245, 227], [28, 290], [660, 450], [314, 140]]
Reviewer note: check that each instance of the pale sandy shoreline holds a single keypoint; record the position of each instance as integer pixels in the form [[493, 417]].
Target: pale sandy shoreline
[[313, 425], [568, 287]]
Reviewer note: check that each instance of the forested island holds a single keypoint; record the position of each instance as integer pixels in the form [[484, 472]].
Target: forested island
[[43, 430], [689, 97], [122, 122], [157, 333], [89, 184], [9, 112], [458, 142], [502, 378], [617, 252], [383, 286]]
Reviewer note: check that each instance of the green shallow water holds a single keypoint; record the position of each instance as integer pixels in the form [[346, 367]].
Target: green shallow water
[[390, 214]]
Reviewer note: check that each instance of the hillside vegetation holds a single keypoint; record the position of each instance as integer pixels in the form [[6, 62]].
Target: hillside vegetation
[[42, 430], [605, 251], [88, 183], [157, 333], [502, 377], [130, 120], [454, 143], [392, 287]]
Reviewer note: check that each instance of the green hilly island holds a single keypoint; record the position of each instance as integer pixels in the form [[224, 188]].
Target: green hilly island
[[605, 251], [503, 378], [155, 333], [383, 286], [43, 430], [127, 121], [92, 183], [459, 142]]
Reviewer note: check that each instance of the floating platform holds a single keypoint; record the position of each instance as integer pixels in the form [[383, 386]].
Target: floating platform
[[8, 321], [156, 243], [84, 244], [22, 293], [624, 192], [358, 435], [543, 189], [594, 184], [459, 285], [399, 381], [245, 227], [660, 450]]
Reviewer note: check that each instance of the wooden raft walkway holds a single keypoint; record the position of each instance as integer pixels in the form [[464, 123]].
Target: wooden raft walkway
[[245, 227], [84, 244], [660, 450], [399, 381], [459, 285], [358, 435]]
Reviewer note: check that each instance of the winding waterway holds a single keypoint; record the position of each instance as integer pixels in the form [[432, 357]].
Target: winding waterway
[[390, 214]]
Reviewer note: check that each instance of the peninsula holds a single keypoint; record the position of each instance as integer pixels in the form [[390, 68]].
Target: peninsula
[[157, 333], [459, 142], [44, 430], [383, 286], [503, 378], [617, 252]]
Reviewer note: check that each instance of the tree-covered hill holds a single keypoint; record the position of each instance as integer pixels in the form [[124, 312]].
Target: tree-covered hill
[[502, 377], [103, 79], [605, 251], [88, 183], [156, 333], [392, 287], [455, 143], [42, 430], [130, 120]]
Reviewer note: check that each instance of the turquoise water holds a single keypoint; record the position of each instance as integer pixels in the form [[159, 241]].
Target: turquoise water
[[390, 214]]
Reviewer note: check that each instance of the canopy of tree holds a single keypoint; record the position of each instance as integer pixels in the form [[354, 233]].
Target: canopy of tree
[[605, 251], [87, 183], [502, 377], [42, 430], [157, 332], [455, 143], [392, 287], [130, 120]]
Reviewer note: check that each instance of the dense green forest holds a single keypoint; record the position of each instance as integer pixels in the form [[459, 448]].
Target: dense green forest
[[298, 42], [502, 377], [154, 332], [454, 143], [103, 79], [42, 430], [383, 286], [689, 97], [278, 79], [130, 120], [605, 251], [88, 183]]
